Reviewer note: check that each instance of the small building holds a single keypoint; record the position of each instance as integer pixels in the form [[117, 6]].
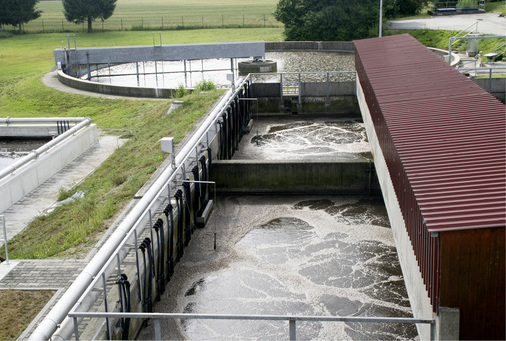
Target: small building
[[439, 147]]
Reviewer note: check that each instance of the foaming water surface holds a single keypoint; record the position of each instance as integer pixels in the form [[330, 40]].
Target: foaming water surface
[[289, 138], [322, 256]]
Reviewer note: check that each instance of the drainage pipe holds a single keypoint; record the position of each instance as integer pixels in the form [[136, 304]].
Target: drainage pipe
[[57, 317], [35, 154]]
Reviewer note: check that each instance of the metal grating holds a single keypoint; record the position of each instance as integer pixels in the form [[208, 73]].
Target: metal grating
[[444, 142]]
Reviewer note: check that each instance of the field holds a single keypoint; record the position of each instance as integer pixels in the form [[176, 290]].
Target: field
[[164, 14]]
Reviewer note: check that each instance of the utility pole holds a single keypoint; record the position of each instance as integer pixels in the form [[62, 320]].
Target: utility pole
[[381, 18]]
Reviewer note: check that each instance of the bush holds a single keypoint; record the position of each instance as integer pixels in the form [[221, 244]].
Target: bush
[[205, 86], [181, 91]]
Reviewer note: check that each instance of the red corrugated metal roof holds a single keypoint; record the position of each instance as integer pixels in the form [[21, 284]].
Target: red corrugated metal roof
[[449, 134]]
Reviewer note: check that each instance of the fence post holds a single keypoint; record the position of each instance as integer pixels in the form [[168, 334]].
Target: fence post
[[62, 27], [122, 24], [43, 31], [264, 20], [222, 21]]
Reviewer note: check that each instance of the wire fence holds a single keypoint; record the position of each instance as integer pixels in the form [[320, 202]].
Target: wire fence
[[154, 23]]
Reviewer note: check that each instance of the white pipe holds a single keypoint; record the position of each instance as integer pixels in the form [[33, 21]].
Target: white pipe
[[10, 120], [57, 317], [35, 154]]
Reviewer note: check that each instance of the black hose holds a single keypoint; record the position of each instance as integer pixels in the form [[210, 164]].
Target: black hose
[[142, 247], [160, 265], [196, 202], [124, 290], [169, 215], [180, 218], [150, 276], [187, 213]]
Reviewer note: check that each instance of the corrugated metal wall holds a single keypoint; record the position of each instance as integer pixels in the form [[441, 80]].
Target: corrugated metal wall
[[443, 139]]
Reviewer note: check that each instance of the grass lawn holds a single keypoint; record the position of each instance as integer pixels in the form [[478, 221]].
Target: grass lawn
[[165, 14], [18, 308]]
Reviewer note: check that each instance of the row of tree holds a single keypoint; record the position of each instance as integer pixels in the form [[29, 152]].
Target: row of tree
[[19, 12], [339, 19]]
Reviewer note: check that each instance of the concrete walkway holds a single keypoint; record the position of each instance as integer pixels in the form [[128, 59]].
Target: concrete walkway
[[489, 23]]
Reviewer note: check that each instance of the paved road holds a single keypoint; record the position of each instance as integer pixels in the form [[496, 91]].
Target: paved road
[[489, 23]]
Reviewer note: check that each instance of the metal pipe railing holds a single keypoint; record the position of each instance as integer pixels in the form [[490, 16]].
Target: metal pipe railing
[[80, 295], [292, 319], [35, 154], [4, 240]]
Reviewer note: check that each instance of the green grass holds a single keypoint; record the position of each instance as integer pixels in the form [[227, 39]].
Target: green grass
[[496, 7], [76, 225], [148, 14], [440, 39]]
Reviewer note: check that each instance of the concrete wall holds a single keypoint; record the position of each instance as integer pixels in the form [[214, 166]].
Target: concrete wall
[[316, 97], [495, 86], [310, 177], [418, 296], [25, 179], [335, 46], [29, 130], [132, 91]]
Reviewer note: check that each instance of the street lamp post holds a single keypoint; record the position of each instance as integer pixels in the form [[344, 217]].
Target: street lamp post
[[381, 17]]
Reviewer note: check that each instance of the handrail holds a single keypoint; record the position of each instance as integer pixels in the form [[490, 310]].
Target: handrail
[[464, 30], [80, 294], [35, 154], [290, 318], [5, 240]]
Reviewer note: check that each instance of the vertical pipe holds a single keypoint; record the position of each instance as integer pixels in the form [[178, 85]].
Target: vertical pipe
[[106, 307], [381, 18], [490, 81], [232, 69], [137, 70], [328, 88], [76, 328], [5, 241], [300, 89], [75, 43], [280, 88], [292, 330], [151, 233], [88, 65], [432, 331], [185, 76], [137, 265]]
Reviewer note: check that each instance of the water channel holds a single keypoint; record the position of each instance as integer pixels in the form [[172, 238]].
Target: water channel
[[12, 149], [279, 255]]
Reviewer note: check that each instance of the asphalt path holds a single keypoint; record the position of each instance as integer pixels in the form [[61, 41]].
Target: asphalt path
[[488, 23]]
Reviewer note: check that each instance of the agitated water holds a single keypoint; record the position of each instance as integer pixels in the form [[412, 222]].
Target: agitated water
[[316, 256]]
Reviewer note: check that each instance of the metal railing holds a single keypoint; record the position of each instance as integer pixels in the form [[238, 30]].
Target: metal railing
[[4, 240], [291, 319]]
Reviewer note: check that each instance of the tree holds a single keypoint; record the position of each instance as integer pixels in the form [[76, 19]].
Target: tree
[[18, 12], [394, 8], [79, 11], [327, 19]]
